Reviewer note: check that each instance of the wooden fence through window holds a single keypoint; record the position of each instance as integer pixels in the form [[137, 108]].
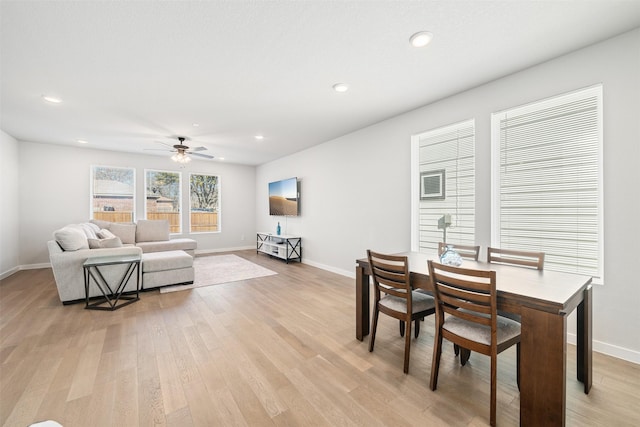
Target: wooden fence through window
[[200, 221]]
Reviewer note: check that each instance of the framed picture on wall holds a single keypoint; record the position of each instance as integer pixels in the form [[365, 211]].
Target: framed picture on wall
[[432, 185]]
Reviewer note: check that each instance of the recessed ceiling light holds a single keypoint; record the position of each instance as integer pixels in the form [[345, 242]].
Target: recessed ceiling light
[[82, 141], [220, 158], [340, 87], [195, 125], [421, 39], [259, 137], [51, 99]]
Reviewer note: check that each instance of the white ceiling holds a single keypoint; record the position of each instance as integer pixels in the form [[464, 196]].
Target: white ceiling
[[131, 73]]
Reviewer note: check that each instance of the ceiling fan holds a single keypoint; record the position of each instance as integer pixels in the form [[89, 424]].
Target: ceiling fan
[[182, 152]]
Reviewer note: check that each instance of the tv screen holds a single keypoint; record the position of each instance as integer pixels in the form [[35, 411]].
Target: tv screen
[[283, 197]]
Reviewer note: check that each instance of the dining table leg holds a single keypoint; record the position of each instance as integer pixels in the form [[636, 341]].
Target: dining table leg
[[584, 341], [543, 355], [362, 303]]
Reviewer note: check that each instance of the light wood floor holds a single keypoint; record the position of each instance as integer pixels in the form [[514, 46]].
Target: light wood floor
[[279, 350]]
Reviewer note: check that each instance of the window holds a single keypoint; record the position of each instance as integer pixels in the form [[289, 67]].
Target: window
[[203, 203], [547, 183], [163, 197], [112, 194], [445, 196]]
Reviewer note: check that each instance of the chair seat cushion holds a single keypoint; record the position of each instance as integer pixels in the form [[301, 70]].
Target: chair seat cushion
[[420, 302], [506, 329]]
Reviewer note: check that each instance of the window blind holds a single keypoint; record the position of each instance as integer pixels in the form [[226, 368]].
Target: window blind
[[452, 149], [547, 184]]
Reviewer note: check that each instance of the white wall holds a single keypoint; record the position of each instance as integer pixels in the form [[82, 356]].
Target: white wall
[[356, 189], [54, 182], [9, 217]]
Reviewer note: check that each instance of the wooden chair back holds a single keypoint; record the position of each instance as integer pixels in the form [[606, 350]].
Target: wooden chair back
[[390, 275], [465, 251], [467, 294], [518, 258]]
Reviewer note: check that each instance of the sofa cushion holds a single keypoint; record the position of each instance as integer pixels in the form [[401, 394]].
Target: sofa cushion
[[183, 244], [152, 230], [126, 232], [113, 242], [163, 261], [71, 238]]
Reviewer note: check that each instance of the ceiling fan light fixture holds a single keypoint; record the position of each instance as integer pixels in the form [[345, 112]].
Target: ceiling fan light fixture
[[181, 158], [421, 39]]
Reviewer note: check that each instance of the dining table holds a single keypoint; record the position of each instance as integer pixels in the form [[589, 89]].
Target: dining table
[[543, 299]]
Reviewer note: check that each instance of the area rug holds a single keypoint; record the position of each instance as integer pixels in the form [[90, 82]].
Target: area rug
[[217, 269]]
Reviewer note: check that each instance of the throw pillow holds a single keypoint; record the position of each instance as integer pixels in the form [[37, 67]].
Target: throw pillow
[[113, 242], [100, 223], [71, 238], [152, 230], [105, 234], [89, 230], [126, 232]]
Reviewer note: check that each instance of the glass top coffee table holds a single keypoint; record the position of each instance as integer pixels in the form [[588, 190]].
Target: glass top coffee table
[[113, 295]]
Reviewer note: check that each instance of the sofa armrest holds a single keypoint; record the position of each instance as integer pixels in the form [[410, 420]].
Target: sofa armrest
[[68, 269]]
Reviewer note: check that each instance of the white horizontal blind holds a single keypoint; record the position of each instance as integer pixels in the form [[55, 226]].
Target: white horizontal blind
[[548, 182], [451, 148]]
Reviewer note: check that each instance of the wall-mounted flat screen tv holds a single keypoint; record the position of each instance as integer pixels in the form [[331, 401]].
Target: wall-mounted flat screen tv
[[284, 197]]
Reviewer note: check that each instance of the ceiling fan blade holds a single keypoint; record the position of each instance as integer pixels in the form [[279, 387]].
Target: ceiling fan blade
[[206, 156], [157, 149], [165, 144], [198, 149]]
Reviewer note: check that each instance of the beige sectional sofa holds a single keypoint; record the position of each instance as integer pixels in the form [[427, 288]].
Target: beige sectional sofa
[[166, 259]]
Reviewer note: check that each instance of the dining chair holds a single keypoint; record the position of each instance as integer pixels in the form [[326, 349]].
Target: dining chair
[[395, 297], [516, 258], [465, 251], [467, 315]]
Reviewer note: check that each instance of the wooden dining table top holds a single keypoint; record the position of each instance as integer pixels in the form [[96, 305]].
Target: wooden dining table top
[[551, 291]]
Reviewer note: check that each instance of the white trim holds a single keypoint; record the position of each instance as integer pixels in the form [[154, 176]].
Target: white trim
[[609, 349], [415, 192], [9, 272], [214, 251], [350, 274]]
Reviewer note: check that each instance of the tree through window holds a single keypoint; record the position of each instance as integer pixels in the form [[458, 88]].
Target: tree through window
[[204, 203], [163, 200]]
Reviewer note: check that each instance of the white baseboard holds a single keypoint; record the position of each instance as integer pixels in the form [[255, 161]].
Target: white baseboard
[[214, 251], [610, 349], [340, 271], [14, 270], [9, 272]]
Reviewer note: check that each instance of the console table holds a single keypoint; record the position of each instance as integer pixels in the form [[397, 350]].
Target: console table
[[282, 246], [113, 297]]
